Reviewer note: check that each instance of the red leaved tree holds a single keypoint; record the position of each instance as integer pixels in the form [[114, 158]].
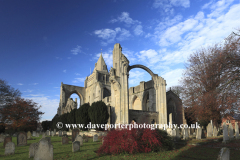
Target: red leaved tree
[[211, 83], [21, 114]]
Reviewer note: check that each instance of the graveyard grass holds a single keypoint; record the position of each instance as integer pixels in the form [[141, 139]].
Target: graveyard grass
[[185, 150]]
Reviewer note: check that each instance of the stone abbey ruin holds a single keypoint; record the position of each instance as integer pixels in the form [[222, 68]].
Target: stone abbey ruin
[[146, 103]]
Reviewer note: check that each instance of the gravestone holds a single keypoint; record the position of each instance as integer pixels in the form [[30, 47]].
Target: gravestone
[[48, 139], [22, 139], [6, 140], [199, 133], [29, 135], [44, 135], [85, 138], [236, 130], [174, 134], [44, 150], [225, 133], [14, 135], [59, 133], [9, 148], [224, 154], [64, 132], [54, 132], [80, 139], [48, 133], [185, 133], [95, 138], [215, 132], [209, 130], [75, 133], [2, 138], [64, 140], [32, 149], [189, 132], [178, 137], [34, 134], [230, 131], [75, 146], [37, 134]]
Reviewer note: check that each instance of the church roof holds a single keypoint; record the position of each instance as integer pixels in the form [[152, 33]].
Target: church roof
[[101, 65]]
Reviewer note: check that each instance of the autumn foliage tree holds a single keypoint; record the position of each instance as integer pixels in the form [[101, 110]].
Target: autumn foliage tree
[[211, 83], [21, 114]]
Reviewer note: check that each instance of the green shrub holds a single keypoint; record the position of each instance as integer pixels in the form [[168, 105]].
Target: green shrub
[[82, 116], [98, 113], [166, 140]]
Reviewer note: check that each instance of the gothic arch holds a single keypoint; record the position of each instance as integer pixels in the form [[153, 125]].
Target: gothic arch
[[136, 103], [142, 67]]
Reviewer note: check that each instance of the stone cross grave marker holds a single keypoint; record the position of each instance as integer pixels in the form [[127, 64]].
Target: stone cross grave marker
[[6, 140], [80, 139], [75, 146], [44, 150], [75, 133], [224, 154], [9, 148], [225, 133], [22, 139], [230, 131], [32, 149], [95, 138], [236, 130]]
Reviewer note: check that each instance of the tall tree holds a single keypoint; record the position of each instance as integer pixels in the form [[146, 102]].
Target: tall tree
[[7, 93], [211, 81], [21, 113]]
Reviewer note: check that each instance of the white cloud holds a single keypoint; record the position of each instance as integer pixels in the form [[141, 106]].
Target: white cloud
[[77, 74], [20, 84], [167, 6], [78, 80], [56, 87], [125, 18], [138, 30], [64, 71], [109, 35], [172, 77], [77, 50], [49, 106], [28, 90]]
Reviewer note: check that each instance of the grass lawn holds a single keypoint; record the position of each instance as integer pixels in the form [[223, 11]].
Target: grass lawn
[[185, 150]]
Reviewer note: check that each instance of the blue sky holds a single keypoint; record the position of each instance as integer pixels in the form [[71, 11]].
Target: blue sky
[[44, 43]]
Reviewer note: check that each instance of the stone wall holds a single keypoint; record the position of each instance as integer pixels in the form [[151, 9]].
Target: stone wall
[[143, 116]]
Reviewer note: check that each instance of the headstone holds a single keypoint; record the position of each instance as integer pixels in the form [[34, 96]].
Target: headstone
[[185, 133], [32, 149], [230, 131], [174, 134], [9, 148], [75, 133], [224, 154], [6, 140], [64, 140], [29, 135], [44, 150], [44, 135], [225, 133], [209, 130], [37, 134], [80, 139], [59, 133], [95, 138], [48, 139], [189, 132], [2, 138], [54, 132], [75, 146], [64, 132], [15, 135], [178, 137], [215, 132], [22, 139], [34, 134], [199, 133], [236, 130]]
